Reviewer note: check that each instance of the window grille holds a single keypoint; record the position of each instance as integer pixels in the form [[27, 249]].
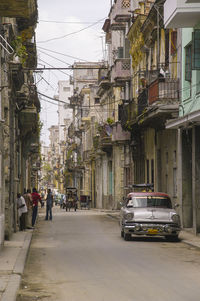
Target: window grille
[[125, 3]]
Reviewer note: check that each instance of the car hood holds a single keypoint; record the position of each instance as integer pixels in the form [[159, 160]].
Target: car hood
[[152, 214]]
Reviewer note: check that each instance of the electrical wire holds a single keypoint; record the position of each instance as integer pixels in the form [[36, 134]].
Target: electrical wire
[[55, 58], [67, 55], [66, 22], [72, 33]]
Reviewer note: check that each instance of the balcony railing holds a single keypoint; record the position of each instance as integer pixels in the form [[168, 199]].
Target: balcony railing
[[127, 114], [142, 101], [121, 70], [105, 139], [163, 89]]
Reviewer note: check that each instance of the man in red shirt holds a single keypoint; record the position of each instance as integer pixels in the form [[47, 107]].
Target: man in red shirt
[[35, 199]]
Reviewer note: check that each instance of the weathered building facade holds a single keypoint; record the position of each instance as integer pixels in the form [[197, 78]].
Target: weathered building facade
[[20, 106], [185, 16]]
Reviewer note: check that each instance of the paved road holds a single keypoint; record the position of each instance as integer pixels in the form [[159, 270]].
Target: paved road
[[80, 256]]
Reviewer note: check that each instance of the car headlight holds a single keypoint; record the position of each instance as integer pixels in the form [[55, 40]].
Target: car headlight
[[128, 216], [176, 219]]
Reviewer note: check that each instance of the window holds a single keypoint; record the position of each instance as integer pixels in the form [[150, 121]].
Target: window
[[147, 171], [174, 182], [127, 176], [97, 100], [188, 62], [152, 171], [167, 47], [110, 178], [173, 42], [196, 50]]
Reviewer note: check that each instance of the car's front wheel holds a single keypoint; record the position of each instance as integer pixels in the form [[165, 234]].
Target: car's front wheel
[[127, 236]]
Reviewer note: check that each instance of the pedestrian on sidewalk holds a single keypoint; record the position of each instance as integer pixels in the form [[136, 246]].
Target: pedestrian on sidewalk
[[29, 204], [22, 211], [49, 205], [35, 198]]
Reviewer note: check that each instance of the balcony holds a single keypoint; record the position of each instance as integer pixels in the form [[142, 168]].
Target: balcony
[[163, 90], [127, 114], [119, 135], [181, 13], [142, 101], [17, 75], [31, 61], [18, 9], [121, 11], [104, 79], [122, 70], [105, 140]]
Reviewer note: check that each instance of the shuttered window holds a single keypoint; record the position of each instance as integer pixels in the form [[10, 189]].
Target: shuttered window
[[196, 50], [188, 62]]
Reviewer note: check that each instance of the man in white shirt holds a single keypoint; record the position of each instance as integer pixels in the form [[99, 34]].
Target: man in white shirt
[[22, 211]]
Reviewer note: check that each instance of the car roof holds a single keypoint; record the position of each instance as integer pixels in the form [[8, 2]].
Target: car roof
[[148, 194]]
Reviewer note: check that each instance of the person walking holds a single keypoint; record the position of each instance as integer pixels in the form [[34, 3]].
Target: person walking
[[35, 198], [29, 204], [49, 205], [22, 211]]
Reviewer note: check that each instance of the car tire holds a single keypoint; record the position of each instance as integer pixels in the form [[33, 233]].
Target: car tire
[[172, 238], [127, 236]]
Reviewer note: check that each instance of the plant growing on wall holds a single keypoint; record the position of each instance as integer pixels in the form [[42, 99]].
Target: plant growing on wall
[[20, 49], [110, 121]]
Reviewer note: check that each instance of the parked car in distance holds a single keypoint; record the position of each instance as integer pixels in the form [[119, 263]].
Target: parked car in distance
[[149, 214]]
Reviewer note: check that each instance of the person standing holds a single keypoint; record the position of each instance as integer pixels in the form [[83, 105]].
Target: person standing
[[35, 198], [29, 204], [22, 211], [49, 205]]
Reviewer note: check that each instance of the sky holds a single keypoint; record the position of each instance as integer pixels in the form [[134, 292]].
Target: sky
[[62, 38]]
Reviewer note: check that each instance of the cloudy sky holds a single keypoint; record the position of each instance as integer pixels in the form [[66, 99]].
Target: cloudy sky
[[62, 38]]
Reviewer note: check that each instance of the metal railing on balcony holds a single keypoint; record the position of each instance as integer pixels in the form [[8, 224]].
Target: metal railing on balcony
[[142, 101], [163, 89], [127, 114]]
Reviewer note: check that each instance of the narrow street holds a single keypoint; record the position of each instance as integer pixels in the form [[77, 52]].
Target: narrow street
[[80, 256]]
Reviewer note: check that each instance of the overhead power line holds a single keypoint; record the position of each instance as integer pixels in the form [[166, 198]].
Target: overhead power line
[[67, 55], [67, 22], [72, 33]]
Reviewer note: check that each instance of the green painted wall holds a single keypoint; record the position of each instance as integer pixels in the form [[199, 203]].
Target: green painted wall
[[190, 90]]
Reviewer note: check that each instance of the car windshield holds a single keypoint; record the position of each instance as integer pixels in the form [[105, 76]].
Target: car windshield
[[149, 201]]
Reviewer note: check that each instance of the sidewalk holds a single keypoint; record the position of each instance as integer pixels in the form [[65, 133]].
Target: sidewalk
[[14, 254], [12, 261]]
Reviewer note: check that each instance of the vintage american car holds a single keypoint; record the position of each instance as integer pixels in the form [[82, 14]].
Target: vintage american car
[[149, 214]]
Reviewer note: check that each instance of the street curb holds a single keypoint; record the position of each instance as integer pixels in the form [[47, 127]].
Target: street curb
[[10, 293]]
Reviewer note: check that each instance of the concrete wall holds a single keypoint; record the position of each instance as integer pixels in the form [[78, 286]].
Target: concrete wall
[[166, 166]]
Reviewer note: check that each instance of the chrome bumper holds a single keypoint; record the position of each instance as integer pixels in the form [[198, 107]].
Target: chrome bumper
[[152, 229]]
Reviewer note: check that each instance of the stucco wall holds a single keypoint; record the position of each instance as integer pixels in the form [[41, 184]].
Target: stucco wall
[[190, 91]]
